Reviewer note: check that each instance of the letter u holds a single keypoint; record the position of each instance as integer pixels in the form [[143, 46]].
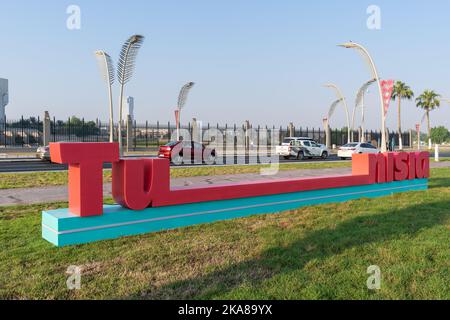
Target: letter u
[[139, 182]]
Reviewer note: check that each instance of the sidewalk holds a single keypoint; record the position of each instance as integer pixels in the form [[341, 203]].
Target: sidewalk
[[59, 193]]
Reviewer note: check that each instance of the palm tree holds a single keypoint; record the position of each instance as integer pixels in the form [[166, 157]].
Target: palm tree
[[401, 91], [428, 101]]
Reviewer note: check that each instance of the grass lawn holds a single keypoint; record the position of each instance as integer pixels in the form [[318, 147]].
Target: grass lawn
[[41, 179], [319, 252]]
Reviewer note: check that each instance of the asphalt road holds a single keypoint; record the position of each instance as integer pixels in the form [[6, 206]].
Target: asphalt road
[[36, 165]]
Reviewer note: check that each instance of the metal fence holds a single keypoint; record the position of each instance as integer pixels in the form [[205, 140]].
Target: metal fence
[[28, 133]]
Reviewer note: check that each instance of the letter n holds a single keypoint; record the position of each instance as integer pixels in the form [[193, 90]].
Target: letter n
[[382, 168], [390, 166]]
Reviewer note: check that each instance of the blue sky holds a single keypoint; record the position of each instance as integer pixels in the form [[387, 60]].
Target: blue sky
[[260, 60]]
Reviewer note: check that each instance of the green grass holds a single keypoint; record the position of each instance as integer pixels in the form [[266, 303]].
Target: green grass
[[42, 179], [319, 252]]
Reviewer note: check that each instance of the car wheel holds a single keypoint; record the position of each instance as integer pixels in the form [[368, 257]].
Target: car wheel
[[343, 158], [178, 159], [300, 156], [324, 155], [211, 159]]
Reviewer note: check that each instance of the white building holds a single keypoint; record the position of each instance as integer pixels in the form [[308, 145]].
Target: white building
[[3, 98], [128, 108]]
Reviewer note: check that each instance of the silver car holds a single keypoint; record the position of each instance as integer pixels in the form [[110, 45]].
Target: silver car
[[43, 153], [301, 148]]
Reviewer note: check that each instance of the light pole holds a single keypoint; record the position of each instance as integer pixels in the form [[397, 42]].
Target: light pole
[[107, 70], [344, 102], [182, 98], [360, 101], [327, 133], [366, 54], [3, 99]]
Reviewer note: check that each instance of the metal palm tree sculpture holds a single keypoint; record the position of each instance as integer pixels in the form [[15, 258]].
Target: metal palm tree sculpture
[[182, 98], [344, 103], [401, 91], [125, 69], [333, 108], [107, 71], [360, 102], [428, 100]]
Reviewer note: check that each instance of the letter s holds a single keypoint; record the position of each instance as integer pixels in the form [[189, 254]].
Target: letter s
[[401, 166]]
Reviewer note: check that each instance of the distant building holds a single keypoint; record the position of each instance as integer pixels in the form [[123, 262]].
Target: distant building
[[128, 108], [4, 99]]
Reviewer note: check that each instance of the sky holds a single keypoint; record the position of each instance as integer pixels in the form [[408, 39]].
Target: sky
[[258, 60]]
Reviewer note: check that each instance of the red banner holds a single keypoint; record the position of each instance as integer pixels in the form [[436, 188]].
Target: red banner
[[387, 88]]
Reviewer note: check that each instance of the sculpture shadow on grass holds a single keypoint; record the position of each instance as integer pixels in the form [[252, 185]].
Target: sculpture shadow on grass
[[440, 183], [275, 261]]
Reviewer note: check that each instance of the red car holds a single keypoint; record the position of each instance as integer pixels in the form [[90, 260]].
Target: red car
[[176, 151]]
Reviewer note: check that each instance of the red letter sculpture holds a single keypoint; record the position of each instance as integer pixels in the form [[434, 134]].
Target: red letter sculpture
[[137, 183], [85, 162]]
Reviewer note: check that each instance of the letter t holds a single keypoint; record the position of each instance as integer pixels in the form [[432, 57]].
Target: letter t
[[85, 162]]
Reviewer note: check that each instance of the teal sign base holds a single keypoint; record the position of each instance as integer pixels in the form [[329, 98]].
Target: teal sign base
[[63, 228]]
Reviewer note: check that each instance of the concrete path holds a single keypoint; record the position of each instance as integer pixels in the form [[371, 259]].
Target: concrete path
[[59, 193]]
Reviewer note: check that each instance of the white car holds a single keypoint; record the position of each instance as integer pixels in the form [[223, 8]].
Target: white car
[[348, 150], [300, 148], [43, 153]]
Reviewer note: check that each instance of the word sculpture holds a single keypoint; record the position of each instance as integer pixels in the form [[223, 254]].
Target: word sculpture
[[147, 202]]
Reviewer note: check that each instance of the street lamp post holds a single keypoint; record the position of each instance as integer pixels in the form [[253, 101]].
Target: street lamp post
[[366, 54], [344, 102], [327, 133]]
